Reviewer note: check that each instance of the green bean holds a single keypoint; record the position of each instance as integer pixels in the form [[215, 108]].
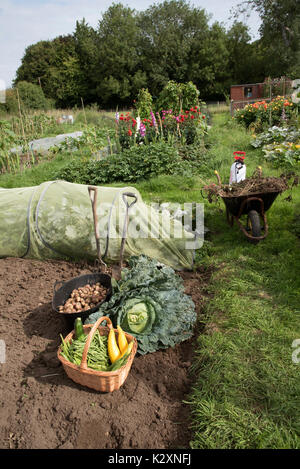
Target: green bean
[[97, 357]]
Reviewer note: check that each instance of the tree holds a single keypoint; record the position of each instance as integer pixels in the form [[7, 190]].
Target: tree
[[118, 70], [177, 44], [280, 32], [55, 66], [86, 48], [246, 59]]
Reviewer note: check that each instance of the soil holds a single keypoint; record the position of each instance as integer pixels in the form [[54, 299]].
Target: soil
[[41, 408]]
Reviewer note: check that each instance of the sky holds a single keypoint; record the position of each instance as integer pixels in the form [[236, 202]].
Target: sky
[[25, 22]]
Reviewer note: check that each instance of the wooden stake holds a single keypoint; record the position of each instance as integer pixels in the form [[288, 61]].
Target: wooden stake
[[83, 112]]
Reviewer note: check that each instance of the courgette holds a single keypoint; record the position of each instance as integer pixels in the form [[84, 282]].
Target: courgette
[[122, 360], [79, 331]]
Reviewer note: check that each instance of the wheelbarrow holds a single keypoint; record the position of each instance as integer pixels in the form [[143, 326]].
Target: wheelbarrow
[[255, 207]]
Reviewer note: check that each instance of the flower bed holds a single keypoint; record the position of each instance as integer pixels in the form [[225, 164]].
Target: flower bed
[[185, 127], [280, 109]]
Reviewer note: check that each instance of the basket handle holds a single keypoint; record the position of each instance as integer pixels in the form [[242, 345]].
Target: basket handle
[[58, 282], [83, 365]]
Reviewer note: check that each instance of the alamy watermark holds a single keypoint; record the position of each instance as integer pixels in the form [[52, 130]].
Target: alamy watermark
[[296, 352], [2, 351], [295, 95], [2, 92], [166, 221]]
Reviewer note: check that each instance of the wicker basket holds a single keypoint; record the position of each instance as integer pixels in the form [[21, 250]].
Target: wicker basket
[[104, 381]]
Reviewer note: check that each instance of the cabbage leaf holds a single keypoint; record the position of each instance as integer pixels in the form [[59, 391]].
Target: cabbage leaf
[[149, 303]]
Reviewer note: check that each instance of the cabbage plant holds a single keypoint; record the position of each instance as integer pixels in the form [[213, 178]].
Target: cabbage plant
[[149, 303]]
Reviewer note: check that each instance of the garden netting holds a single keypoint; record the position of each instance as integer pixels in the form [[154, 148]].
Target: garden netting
[[55, 221]]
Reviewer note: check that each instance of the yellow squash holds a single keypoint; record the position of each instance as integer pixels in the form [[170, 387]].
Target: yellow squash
[[127, 350], [112, 346], [122, 341]]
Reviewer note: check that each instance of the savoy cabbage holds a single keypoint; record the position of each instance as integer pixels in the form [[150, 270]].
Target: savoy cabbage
[[149, 303]]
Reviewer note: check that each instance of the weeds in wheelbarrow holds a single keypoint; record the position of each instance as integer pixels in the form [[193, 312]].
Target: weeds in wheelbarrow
[[251, 197]]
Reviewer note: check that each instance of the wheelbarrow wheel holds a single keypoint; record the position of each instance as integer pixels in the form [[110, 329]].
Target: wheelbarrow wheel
[[253, 223]]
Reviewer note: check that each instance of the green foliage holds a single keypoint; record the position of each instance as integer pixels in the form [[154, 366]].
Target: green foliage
[[280, 34], [177, 97], [31, 97], [117, 68], [138, 162], [144, 103], [56, 66], [171, 41], [159, 292], [285, 154], [276, 134]]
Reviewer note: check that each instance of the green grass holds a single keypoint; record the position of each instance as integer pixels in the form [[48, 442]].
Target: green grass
[[36, 175], [246, 391]]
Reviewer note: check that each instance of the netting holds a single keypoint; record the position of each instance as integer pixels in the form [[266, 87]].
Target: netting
[[55, 221]]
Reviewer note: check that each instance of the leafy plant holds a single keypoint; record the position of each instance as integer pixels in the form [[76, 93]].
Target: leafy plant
[[178, 96], [144, 103], [275, 134], [155, 295], [283, 154], [139, 162]]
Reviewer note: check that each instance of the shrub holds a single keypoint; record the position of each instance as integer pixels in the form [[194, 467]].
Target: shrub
[[144, 103], [133, 164], [178, 96]]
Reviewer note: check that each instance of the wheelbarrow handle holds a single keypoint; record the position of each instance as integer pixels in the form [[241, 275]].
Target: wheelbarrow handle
[[218, 177]]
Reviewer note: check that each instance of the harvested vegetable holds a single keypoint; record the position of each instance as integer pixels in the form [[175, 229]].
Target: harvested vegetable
[[97, 357], [113, 349], [149, 303], [122, 341], [122, 360], [140, 315], [84, 298], [98, 353], [79, 331]]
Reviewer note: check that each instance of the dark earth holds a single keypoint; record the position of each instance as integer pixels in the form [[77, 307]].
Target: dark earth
[[41, 408]]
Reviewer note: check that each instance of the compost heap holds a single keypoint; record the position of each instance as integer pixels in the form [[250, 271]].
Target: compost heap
[[149, 303], [55, 221], [247, 187]]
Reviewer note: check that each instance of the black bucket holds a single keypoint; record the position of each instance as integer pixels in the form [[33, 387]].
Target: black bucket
[[61, 295]]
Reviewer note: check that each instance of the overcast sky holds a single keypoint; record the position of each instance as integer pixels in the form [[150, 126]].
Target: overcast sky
[[25, 22]]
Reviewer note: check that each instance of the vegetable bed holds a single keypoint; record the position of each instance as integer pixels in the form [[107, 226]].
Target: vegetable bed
[[40, 407]]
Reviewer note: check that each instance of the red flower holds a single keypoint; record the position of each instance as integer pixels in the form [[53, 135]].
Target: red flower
[[121, 118], [192, 117], [203, 117], [129, 132]]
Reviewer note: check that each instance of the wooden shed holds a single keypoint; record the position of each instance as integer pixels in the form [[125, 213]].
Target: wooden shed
[[246, 92], [240, 95]]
